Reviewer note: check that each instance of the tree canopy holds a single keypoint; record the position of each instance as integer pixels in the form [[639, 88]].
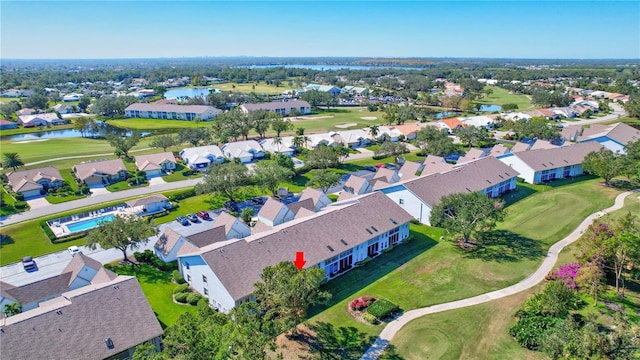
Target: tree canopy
[[194, 136], [11, 160], [225, 179], [324, 179], [435, 142], [163, 141], [467, 215], [269, 174], [122, 145], [122, 232], [603, 163]]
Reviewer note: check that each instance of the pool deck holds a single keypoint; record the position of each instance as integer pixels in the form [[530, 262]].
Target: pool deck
[[61, 230]]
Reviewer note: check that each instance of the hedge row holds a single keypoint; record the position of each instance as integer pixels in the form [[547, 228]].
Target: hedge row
[[382, 308]]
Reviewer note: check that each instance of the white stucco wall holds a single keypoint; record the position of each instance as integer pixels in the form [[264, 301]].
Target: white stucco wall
[[409, 202], [217, 294], [520, 166]]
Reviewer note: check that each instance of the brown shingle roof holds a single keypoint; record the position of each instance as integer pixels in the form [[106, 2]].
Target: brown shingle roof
[[409, 170], [472, 154], [39, 290], [153, 161], [272, 106], [620, 132], [520, 146], [75, 327], [167, 240], [18, 179], [301, 204], [435, 164], [146, 200], [271, 209], [354, 183], [238, 265], [384, 174], [78, 262], [476, 175], [109, 167], [546, 159]]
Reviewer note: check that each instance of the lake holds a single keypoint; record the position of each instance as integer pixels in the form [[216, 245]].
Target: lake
[[188, 92], [329, 67], [69, 133], [490, 108]]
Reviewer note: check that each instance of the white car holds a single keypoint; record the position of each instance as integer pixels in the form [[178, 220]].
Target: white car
[[73, 250]]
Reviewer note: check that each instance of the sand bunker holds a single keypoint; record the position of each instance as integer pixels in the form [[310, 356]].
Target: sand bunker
[[344, 126], [368, 117], [29, 141]]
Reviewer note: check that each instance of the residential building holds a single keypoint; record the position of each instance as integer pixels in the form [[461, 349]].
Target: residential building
[[274, 213], [318, 198], [450, 124], [353, 138], [284, 145], [354, 90], [31, 183], [410, 170], [408, 130], [171, 112], [40, 120], [542, 165], [103, 320], [101, 172], [280, 107], [388, 133], [200, 157], [246, 151], [434, 165], [334, 91], [71, 97], [471, 154], [156, 164], [484, 122], [175, 241], [613, 137], [418, 196], [334, 239], [6, 124], [63, 108], [149, 205], [357, 185]]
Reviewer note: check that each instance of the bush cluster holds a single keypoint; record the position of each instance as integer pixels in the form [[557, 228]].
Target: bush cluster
[[179, 195], [184, 288], [361, 303], [148, 257], [381, 309], [181, 297], [177, 277]]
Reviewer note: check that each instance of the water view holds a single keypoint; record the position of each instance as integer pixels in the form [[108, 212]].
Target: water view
[[490, 108], [188, 92], [329, 67], [50, 133]]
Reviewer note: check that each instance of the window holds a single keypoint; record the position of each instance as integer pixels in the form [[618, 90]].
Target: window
[[186, 265], [206, 292], [188, 278], [204, 279], [401, 201]]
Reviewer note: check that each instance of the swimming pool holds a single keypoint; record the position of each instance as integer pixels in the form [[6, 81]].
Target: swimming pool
[[89, 223]]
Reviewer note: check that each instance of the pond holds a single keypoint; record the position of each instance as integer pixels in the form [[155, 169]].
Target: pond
[[490, 108], [445, 114], [188, 92], [50, 133]]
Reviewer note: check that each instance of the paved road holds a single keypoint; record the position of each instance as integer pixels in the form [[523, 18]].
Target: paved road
[[94, 200], [547, 265], [618, 112]]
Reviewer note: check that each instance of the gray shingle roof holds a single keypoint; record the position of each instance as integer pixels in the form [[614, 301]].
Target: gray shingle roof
[[167, 240], [239, 264], [153, 161], [476, 175], [272, 106], [109, 167], [546, 159], [19, 179], [270, 209], [76, 326]]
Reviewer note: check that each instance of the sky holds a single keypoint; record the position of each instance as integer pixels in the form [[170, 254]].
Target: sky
[[483, 29]]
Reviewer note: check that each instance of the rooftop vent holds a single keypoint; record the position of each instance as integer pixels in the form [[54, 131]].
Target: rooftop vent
[[393, 221], [330, 248], [469, 190], [109, 343], [116, 287], [343, 242], [59, 312], [501, 177], [374, 229], [369, 231], [488, 181]]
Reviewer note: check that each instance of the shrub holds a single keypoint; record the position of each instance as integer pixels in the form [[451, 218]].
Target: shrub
[[181, 289], [18, 197], [20, 204], [361, 303], [181, 297], [193, 298], [179, 195], [384, 251], [529, 331], [177, 277], [382, 308], [567, 274], [143, 257], [363, 262], [415, 221], [369, 318]]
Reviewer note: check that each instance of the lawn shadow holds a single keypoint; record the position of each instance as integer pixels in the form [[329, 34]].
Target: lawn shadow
[[571, 180], [5, 240], [144, 272], [506, 246], [356, 279], [335, 342], [521, 192], [624, 184]]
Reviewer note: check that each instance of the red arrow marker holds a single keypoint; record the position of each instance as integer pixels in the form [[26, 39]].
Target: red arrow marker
[[299, 263]]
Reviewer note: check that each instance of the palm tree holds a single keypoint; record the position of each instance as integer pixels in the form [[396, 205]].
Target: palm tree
[[297, 141], [278, 141], [305, 139], [12, 160], [300, 131], [12, 309], [373, 131]]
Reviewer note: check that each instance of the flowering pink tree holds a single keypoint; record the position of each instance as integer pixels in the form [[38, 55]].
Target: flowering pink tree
[[567, 273]]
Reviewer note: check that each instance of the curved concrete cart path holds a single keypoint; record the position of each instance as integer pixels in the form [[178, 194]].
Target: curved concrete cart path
[[547, 265]]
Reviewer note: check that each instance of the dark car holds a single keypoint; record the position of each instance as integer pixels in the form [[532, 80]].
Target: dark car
[[28, 264], [370, 168], [182, 220], [203, 215], [257, 201], [231, 206], [192, 217]]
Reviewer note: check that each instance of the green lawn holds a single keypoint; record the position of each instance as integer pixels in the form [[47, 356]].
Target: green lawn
[[123, 185], [153, 124], [541, 216], [158, 289], [259, 88], [178, 174], [8, 203], [501, 96], [635, 122], [481, 332]]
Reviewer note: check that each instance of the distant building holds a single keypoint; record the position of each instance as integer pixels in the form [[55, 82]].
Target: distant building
[[279, 107], [40, 120], [171, 112], [6, 124]]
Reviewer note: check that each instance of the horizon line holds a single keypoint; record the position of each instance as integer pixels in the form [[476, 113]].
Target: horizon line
[[323, 57]]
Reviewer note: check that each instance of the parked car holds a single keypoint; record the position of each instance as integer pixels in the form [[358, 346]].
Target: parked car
[[182, 220], [28, 264], [192, 217], [379, 165], [203, 215], [73, 250], [257, 201], [390, 166], [370, 168], [231, 206]]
